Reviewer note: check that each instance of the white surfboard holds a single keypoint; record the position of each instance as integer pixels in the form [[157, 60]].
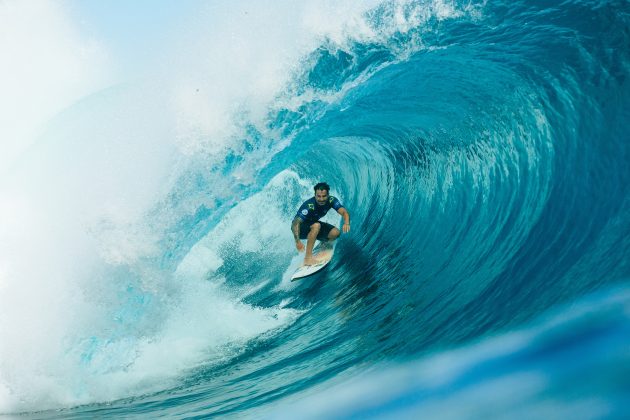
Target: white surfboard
[[323, 257]]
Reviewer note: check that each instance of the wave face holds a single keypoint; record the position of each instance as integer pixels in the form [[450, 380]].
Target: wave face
[[481, 150]]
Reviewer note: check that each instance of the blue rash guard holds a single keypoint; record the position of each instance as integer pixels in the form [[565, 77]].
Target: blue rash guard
[[311, 212]]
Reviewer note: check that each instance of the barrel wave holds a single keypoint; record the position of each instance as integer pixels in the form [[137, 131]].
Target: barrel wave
[[481, 149]]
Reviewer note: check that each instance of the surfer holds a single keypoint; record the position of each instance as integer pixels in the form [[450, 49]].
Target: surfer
[[306, 224]]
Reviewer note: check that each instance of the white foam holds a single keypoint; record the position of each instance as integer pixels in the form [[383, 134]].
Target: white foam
[[256, 65], [260, 223]]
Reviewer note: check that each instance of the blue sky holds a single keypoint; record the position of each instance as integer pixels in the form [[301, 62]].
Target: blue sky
[[132, 30], [56, 52]]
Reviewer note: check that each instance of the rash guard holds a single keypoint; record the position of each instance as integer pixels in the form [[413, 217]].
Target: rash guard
[[311, 212]]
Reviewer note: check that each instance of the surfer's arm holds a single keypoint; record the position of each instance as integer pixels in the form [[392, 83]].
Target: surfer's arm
[[295, 228], [346, 219]]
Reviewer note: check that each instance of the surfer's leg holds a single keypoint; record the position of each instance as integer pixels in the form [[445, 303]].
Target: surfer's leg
[[310, 242], [327, 235], [333, 234], [325, 230]]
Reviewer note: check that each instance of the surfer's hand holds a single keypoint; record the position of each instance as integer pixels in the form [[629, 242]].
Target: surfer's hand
[[346, 227], [299, 245]]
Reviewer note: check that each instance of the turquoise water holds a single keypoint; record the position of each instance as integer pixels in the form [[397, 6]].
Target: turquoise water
[[481, 149]]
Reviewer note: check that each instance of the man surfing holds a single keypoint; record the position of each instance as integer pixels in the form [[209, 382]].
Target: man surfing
[[306, 224]]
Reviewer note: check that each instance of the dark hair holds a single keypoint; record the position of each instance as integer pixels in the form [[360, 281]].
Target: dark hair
[[322, 186]]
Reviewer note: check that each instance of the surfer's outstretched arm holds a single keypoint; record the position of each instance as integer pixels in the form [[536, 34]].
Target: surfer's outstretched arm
[[346, 219]]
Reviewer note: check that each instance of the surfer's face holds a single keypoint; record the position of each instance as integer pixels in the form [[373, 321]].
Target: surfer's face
[[321, 196]]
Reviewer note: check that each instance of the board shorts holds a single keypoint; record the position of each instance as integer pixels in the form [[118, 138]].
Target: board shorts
[[324, 230]]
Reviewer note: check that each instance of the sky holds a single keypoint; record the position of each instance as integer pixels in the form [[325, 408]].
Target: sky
[[53, 53], [132, 29]]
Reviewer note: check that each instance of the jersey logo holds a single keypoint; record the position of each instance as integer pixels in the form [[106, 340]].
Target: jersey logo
[[311, 206], [304, 212], [331, 199]]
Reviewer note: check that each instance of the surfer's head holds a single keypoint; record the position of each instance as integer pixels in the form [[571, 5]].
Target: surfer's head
[[321, 193]]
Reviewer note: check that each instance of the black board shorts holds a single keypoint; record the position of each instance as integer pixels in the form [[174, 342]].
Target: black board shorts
[[324, 230]]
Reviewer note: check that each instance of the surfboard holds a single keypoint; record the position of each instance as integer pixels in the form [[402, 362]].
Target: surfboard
[[323, 257]]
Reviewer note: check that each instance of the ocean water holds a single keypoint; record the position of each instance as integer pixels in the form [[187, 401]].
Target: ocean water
[[481, 148]]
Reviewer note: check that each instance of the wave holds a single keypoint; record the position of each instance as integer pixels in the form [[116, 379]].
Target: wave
[[480, 149], [517, 374]]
